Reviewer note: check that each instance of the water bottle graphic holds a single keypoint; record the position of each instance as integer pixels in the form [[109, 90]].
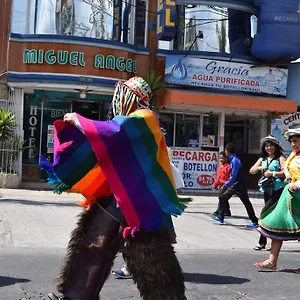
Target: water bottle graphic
[[277, 133]]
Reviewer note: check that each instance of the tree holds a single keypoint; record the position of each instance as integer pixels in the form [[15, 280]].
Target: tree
[[10, 144], [157, 85]]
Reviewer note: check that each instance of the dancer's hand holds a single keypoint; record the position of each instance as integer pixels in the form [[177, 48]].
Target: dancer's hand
[[293, 187], [70, 117]]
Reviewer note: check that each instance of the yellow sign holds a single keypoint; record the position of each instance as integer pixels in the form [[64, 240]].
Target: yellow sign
[[166, 19]]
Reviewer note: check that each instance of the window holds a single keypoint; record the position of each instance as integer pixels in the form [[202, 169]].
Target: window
[[212, 23], [118, 20], [167, 123], [187, 131]]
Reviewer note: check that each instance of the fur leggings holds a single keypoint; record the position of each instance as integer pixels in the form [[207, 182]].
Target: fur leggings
[[94, 244]]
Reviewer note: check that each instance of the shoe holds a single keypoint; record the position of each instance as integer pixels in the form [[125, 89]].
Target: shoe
[[297, 271], [215, 214], [122, 274], [228, 213], [259, 247], [217, 220], [52, 296], [266, 265], [252, 225]]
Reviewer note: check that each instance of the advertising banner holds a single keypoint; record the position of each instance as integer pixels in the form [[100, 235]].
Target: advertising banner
[[225, 75], [198, 168], [280, 126], [50, 139]]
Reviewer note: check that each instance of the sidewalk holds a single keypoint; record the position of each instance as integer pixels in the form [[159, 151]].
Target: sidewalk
[[27, 213], [43, 186]]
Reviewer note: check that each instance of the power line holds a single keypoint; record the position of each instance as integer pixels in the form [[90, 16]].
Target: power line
[[199, 24]]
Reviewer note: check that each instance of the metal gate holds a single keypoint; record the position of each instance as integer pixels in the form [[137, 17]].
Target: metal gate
[[11, 150]]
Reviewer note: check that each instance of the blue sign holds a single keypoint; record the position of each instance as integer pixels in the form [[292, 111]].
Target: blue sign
[[166, 20], [225, 75]]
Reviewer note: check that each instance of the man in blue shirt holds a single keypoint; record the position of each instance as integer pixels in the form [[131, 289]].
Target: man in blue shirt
[[236, 185]]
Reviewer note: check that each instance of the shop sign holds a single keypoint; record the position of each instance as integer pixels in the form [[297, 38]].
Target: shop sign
[[61, 57], [280, 126], [198, 168], [192, 143], [166, 20], [225, 75], [32, 124]]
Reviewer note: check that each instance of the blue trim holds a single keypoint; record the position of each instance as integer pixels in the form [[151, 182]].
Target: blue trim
[[53, 78], [213, 55], [70, 39]]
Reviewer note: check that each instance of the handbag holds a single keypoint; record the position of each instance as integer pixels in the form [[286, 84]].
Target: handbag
[[267, 183]]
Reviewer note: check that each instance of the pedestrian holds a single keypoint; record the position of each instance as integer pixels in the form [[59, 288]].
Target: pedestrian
[[223, 175], [281, 222], [236, 185], [271, 165]]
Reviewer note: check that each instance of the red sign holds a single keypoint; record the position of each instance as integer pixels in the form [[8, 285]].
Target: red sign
[[205, 180]]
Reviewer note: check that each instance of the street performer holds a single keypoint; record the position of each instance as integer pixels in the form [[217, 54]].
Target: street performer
[[121, 167]]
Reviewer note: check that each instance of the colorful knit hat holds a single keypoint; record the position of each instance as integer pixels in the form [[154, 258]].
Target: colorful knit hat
[[134, 90]]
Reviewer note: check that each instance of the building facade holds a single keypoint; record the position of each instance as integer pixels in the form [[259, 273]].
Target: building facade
[[66, 56]]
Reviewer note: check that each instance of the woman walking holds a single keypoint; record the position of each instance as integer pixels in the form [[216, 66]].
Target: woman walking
[[271, 165], [281, 222]]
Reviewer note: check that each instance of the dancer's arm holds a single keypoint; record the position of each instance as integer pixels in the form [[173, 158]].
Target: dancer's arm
[[293, 187]]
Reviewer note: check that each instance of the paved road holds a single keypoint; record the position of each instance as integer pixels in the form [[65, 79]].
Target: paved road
[[217, 260]]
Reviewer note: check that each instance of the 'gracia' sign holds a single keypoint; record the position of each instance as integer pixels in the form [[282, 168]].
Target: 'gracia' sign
[[61, 57]]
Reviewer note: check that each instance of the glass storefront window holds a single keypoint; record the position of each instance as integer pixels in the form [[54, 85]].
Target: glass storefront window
[[52, 110], [210, 130], [41, 109], [187, 130], [90, 110], [167, 123]]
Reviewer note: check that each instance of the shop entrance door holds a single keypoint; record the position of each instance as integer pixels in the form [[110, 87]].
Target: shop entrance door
[[239, 131], [90, 110]]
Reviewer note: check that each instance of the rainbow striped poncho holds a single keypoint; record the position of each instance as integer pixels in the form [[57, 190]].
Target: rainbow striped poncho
[[126, 156]]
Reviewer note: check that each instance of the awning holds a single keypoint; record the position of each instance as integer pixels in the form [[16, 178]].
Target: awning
[[192, 98]]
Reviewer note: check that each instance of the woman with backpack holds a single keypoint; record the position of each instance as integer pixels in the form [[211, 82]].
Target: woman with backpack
[[271, 165]]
